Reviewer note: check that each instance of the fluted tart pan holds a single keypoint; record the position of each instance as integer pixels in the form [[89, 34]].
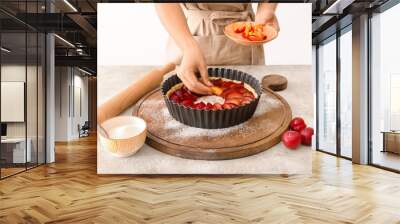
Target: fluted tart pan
[[213, 119]]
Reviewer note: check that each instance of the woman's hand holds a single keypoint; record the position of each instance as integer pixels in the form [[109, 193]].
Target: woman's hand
[[174, 20], [266, 15], [193, 62]]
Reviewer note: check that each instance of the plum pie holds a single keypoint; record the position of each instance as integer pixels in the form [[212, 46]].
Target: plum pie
[[226, 94]]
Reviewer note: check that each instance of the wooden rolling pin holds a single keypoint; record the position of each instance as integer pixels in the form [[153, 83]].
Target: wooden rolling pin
[[133, 93]]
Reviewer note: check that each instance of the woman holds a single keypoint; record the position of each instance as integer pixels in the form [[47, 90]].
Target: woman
[[198, 40]]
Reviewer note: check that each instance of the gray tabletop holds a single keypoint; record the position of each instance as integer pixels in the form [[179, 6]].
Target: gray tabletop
[[276, 160]]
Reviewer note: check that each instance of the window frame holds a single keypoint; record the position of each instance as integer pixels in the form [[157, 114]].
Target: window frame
[[334, 37], [378, 10]]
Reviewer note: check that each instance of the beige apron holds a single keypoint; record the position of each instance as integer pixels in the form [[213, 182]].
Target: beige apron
[[206, 22]]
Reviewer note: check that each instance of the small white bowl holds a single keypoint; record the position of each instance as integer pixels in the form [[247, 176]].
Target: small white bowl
[[125, 135]]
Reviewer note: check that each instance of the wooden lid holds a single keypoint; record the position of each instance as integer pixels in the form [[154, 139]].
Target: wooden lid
[[274, 82]]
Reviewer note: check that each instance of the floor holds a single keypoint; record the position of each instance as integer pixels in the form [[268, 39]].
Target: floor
[[70, 191], [387, 159], [13, 170], [10, 171]]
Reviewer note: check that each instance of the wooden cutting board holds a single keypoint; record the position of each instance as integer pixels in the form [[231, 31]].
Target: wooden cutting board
[[258, 134]]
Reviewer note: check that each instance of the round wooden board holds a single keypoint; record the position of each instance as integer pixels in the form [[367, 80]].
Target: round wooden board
[[261, 132]]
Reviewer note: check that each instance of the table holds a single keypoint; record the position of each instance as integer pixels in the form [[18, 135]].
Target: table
[[18, 151], [276, 160], [391, 141]]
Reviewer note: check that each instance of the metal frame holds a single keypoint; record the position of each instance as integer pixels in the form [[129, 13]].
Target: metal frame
[[385, 168], [37, 92], [0, 93], [387, 5], [369, 77], [26, 91], [45, 90], [316, 97], [338, 98]]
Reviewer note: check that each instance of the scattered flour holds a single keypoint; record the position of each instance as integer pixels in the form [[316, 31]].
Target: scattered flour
[[153, 102], [266, 104], [177, 129]]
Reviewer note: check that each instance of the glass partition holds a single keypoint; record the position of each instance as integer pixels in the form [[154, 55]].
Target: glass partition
[[22, 77], [346, 93], [327, 96], [31, 97], [14, 153], [385, 89], [334, 101]]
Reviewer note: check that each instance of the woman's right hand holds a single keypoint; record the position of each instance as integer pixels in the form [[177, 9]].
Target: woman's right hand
[[174, 20], [193, 62]]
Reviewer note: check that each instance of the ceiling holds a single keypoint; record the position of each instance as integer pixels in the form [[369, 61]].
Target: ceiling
[[76, 22]]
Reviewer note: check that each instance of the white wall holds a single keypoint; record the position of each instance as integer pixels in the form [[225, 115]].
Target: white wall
[[12, 73], [293, 45], [121, 40], [66, 121], [61, 103], [80, 83], [33, 127]]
